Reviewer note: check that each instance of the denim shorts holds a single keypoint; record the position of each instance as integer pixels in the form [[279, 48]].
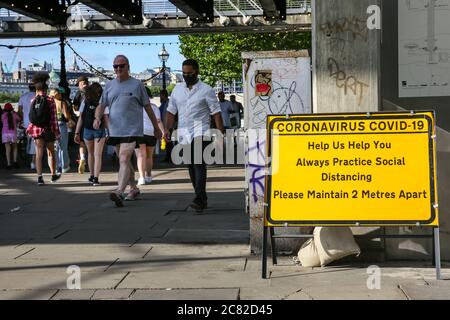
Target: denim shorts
[[91, 134]]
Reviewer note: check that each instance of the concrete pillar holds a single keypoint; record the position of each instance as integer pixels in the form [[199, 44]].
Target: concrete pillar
[[346, 64], [346, 57]]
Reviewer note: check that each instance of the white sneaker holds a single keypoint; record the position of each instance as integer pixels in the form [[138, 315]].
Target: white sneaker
[[141, 181], [33, 166], [148, 180]]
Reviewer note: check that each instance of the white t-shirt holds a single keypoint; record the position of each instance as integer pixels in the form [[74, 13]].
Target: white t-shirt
[[25, 102], [148, 125]]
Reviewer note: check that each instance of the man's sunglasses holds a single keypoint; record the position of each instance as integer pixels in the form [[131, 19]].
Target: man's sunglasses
[[115, 66]]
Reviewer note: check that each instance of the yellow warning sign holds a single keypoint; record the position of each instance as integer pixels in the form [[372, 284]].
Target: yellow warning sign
[[352, 169]]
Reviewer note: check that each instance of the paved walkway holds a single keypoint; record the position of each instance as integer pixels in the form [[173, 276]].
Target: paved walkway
[[156, 248]]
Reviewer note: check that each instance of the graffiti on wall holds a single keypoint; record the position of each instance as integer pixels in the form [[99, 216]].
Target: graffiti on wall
[[284, 100], [346, 82]]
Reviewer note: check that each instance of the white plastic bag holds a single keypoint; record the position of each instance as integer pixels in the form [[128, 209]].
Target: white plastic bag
[[308, 255], [334, 243]]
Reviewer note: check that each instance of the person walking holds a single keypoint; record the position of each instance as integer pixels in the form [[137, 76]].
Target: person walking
[[146, 145], [194, 102], [94, 139], [10, 120], [238, 110], [43, 127], [225, 108], [164, 99], [125, 98], [24, 110], [64, 120], [83, 86]]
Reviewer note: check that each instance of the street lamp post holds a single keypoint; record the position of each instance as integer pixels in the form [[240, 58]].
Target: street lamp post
[[164, 56]]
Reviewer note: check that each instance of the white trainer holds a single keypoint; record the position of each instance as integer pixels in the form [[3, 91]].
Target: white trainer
[[148, 180], [141, 182]]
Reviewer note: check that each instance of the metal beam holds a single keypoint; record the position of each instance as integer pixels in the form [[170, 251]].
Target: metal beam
[[196, 10], [21, 29], [51, 12], [274, 9], [129, 12]]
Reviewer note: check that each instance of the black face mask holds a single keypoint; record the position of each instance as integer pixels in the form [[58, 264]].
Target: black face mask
[[190, 79]]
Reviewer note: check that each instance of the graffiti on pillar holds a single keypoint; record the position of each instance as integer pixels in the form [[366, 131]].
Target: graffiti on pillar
[[346, 82], [256, 169], [355, 26], [263, 83], [284, 100], [345, 30]]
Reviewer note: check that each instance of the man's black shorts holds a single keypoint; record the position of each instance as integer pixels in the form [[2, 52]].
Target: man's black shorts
[[149, 141], [114, 141]]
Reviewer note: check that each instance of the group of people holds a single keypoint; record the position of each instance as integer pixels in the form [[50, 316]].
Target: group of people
[[123, 116]]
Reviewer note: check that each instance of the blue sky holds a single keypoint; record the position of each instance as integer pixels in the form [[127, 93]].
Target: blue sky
[[99, 55]]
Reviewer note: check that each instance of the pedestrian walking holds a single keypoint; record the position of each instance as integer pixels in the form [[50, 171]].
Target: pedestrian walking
[[238, 111], [24, 111], [94, 139], [146, 145], [125, 97], [83, 86], [64, 121], [225, 108], [164, 99], [43, 127], [195, 103], [10, 121]]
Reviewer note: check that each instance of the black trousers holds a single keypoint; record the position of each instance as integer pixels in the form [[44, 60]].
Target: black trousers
[[197, 169]]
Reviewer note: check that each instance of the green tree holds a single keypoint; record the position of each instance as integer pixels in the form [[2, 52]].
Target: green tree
[[9, 97], [219, 55]]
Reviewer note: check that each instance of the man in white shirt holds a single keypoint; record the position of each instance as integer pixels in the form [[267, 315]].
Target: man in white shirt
[[24, 111], [195, 102]]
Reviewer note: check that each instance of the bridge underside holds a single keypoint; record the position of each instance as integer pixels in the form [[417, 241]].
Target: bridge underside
[[24, 19]]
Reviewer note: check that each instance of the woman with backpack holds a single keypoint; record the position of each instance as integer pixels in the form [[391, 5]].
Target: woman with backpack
[[93, 138], [10, 119], [43, 127]]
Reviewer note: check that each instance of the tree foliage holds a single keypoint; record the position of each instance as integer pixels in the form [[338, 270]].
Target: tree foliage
[[219, 55], [9, 97]]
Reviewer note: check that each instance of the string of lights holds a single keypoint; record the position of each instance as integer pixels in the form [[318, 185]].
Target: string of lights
[[101, 74], [91, 67], [124, 43], [10, 46]]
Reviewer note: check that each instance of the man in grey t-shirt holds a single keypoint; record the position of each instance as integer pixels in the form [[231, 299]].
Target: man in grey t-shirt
[[125, 97]]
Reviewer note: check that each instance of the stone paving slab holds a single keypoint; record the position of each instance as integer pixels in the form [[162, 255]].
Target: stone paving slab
[[207, 236], [74, 294], [58, 257], [118, 294], [353, 292], [26, 294], [193, 279], [180, 264], [187, 294], [47, 279], [426, 292], [273, 294]]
